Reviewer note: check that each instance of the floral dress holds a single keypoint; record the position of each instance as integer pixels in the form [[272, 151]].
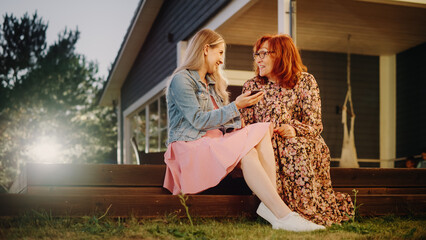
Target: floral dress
[[302, 162]]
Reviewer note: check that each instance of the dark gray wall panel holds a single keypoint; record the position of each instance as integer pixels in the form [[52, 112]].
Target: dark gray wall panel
[[411, 101], [329, 70], [365, 79], [239, 57]]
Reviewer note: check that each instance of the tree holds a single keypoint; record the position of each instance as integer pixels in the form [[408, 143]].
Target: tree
[[49, 92]]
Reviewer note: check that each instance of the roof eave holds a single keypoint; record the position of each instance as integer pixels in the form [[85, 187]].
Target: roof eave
[[130, 48]]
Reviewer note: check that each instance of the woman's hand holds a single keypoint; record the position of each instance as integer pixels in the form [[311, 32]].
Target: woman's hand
[[245, 100], [243, 123], [286, 131]]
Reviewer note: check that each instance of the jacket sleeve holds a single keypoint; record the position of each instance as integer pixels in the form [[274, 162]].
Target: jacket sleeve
[[307, 118], [183, 93]]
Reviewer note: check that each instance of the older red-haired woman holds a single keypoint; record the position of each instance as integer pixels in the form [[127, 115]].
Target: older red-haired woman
[[292, 102]]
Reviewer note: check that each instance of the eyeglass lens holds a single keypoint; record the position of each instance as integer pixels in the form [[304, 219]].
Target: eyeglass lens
[[260, 54]]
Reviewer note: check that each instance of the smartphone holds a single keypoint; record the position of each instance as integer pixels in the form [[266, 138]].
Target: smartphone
[[254, 92]]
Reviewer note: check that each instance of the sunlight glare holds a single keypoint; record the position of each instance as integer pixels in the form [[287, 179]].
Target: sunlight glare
[[46, 149]]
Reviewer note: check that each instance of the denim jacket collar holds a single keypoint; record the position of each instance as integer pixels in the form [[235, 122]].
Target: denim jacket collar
[[196, 76]]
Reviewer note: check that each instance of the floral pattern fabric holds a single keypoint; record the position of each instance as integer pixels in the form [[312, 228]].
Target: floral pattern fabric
[[302, 162]]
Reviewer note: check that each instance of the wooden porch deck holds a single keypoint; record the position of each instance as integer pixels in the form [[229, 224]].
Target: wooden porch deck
[[136, 190]]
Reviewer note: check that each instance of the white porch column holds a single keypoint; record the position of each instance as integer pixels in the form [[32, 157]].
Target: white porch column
[[127, 146], [387, 110], [180, 50], [284, 16], [119, 121]]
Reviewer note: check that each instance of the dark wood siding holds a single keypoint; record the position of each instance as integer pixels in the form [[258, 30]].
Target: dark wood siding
[[365, 79], [176, 21], [329, 70], [411, 101], [239, 57]]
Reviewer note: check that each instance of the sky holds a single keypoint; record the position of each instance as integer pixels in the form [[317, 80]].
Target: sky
[[102, 24]]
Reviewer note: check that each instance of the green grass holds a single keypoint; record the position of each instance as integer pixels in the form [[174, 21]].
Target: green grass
[[41, 225]]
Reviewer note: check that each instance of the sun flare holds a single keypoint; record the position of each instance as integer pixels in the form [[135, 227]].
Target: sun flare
[[46, 149]]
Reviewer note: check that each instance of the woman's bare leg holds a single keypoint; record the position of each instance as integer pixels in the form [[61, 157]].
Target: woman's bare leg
[[260, 183], [267, 157]]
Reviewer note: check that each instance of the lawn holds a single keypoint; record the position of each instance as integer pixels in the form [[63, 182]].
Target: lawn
[[39, 225]]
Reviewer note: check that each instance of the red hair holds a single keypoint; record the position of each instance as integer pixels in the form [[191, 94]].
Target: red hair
[[287, 64]]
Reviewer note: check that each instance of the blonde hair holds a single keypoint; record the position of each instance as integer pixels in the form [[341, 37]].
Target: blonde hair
[[194, 60]]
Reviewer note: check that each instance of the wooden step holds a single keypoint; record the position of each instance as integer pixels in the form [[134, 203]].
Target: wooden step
[[72, 190], [82, 189], [397, 204], [382, 190], [378, 177], [159, 205], [153, 176], [130, 205]]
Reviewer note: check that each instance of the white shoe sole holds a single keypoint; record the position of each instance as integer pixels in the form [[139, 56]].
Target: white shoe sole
[[265, 213]]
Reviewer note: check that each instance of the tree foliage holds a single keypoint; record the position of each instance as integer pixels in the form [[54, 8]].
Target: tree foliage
[[49, 92]]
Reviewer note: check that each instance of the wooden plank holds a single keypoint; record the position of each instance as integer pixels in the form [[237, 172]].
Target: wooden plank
[[382, 190], [95, 175], [85, 191], [199, 205], [156, 158], [228, 186], [153, 176], [130, 205], [376, 205], [378, 177], [61, 190], [116, 176]]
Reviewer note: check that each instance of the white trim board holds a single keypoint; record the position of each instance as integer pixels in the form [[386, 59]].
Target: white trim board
[[145, 98], [233, 9], [238, 77]]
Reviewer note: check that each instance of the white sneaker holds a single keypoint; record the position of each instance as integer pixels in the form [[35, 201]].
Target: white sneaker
[[265, 213], [294, 222]]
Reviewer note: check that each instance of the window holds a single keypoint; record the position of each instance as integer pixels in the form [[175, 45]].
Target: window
[[149, 126]]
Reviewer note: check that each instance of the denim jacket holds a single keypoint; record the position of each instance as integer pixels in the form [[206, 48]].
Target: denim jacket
[[190, 108]]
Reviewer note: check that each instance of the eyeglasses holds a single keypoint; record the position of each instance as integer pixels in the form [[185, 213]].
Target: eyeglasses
[[261, 54]]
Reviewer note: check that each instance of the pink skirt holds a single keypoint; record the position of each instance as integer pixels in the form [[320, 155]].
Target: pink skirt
[[195, 166]]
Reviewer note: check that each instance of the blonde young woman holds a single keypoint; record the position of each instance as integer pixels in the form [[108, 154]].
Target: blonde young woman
[[206, 141]]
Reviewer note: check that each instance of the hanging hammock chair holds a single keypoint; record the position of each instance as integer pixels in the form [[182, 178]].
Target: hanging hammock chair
[[348, 158]]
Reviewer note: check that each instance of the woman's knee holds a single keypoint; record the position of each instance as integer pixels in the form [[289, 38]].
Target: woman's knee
[[271, 129], [252, 155], [268, 136]]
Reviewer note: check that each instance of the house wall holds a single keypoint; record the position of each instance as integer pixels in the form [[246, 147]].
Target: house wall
[[176, 21], [329, 70], [411, 101]]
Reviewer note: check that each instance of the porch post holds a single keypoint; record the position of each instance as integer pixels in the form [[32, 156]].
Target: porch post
[[180, 50], [127, 146], [284, 17], [387, 110], [119, 122]]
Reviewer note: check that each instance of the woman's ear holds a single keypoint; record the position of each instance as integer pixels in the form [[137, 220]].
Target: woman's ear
[[206, 49]]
